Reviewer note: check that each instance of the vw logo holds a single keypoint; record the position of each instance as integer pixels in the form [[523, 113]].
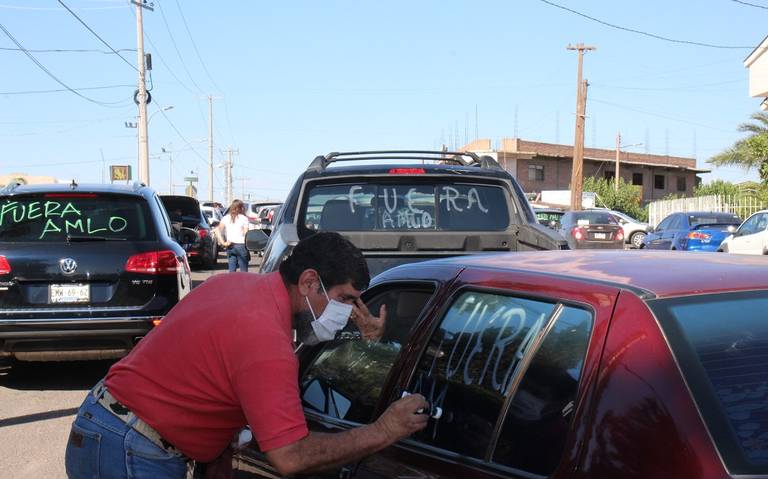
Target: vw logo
[[68, 265]]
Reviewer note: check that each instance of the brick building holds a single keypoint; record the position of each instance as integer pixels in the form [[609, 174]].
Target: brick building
[[546, 166]]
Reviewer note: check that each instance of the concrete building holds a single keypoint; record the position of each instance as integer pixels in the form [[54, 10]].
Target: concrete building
[[757, 64], [546, 166], [25, 179]]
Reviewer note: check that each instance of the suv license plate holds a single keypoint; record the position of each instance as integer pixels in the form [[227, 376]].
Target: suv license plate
[[70, 293], [600, 236]]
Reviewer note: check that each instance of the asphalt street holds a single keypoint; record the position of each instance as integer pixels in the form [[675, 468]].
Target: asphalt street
[[38, 402]]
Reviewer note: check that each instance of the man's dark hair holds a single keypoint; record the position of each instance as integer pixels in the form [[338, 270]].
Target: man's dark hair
[[335, 258]]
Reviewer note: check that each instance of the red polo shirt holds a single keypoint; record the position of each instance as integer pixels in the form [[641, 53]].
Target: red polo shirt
[[222, 358]]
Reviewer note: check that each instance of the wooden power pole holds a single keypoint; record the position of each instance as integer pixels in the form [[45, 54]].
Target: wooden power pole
[[618, 160], [577, 176]]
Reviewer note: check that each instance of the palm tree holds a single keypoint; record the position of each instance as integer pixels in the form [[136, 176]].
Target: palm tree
[[750, 152]]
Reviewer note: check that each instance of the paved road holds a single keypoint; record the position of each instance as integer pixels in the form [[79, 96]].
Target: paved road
[[37, 405]]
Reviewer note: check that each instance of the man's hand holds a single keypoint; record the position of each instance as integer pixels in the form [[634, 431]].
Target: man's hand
[[401, 418], [370, 326]]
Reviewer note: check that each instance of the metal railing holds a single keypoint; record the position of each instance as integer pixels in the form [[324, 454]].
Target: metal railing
[[743, 206]]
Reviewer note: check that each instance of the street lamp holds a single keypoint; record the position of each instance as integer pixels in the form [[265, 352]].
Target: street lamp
[[143, 155]]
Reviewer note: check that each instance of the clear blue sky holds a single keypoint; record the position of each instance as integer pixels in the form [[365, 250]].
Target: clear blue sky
[[298, 79]]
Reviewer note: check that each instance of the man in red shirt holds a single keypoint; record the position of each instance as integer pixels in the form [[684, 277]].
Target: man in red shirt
[[224, 358]]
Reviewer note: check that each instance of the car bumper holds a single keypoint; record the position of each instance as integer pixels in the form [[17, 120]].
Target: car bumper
[[597, 245], [65, 339]]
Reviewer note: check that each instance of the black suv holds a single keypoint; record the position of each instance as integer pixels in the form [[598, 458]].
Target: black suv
[[192, 230], [85, 270], [440, 204]]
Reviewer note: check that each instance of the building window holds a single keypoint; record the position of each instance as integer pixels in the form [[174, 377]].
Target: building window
[[658, 182], [535, 173], [681, 186], [609, 175], [637, 179]]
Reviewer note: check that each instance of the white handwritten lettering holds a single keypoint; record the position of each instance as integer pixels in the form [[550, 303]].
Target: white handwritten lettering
[[354, 189]]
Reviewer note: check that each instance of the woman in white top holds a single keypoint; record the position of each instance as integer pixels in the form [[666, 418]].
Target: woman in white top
[[235, 225]]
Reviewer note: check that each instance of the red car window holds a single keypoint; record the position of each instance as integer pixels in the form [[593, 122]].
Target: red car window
[[721, 343]]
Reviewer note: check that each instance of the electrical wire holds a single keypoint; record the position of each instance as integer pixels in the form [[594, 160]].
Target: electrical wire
[[176, 47], [678, 88], [33, 92], [48, 72], [61, 50], [647, 34], [659, 115], [52, 9], [750, 4], [97, 35], [192, 39]]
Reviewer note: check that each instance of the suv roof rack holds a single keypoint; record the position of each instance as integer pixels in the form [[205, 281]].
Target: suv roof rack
[[10, 187], [463, 158]]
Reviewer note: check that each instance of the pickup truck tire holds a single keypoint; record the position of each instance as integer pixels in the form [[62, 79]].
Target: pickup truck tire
[[636, 239]]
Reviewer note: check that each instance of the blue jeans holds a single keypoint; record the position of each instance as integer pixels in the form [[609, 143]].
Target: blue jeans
[[238, 256], [101, 445]]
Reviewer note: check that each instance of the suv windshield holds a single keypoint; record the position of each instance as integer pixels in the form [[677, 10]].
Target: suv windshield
[[411, 207], [62, 216], [721, 343]]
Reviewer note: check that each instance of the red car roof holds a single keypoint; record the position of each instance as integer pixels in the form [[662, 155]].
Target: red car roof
[[664, 273]]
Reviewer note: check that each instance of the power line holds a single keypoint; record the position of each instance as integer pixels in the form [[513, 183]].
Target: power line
[[96, 35], [623, 107], [647, 34], [71, 50], [48, 72], [750, 4], [677, 88], [52, 9], [176, 47], [33, 92], [197, 52]]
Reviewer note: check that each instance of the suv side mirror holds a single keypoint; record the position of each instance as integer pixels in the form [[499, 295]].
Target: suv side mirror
[[256, 240]]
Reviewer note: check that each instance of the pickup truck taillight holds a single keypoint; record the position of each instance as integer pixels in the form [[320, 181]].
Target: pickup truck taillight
[[154, 262], [5, 268]]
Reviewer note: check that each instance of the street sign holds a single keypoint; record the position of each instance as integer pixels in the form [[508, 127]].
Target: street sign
[[120, 172], [191, 179]]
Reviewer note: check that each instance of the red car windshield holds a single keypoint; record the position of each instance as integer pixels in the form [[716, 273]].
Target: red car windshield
[[721, 343]]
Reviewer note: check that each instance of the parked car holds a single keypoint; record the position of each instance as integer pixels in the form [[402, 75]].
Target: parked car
[[549, 217], [192, 230], [212, 213], [634, 230], [566, 365], [750, 238], [441, 204], [253, 211], [86, 271], [267, 215], [692, 231], [591, 229]]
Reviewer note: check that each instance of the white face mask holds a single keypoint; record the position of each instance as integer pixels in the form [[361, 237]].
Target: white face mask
[[333, 319]]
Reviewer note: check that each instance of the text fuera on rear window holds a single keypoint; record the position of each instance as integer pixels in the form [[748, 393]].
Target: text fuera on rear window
[[59, 217], [413, 207]]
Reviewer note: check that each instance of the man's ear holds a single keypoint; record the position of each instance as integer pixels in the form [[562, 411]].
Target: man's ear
[[307, 278]]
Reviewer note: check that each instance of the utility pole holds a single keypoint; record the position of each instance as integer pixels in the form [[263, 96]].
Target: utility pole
[[170, 172], [228, 165], [618, 153], [578, 144], [210, 149], [141, 96]]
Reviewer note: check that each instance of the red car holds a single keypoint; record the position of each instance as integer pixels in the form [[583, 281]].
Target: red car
[[561, 364]]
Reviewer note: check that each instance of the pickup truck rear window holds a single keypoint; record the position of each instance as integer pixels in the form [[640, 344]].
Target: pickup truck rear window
[[410, 207], [75, 217], [721, 343]]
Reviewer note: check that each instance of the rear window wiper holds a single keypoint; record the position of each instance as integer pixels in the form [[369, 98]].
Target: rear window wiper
[[75, 238]]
